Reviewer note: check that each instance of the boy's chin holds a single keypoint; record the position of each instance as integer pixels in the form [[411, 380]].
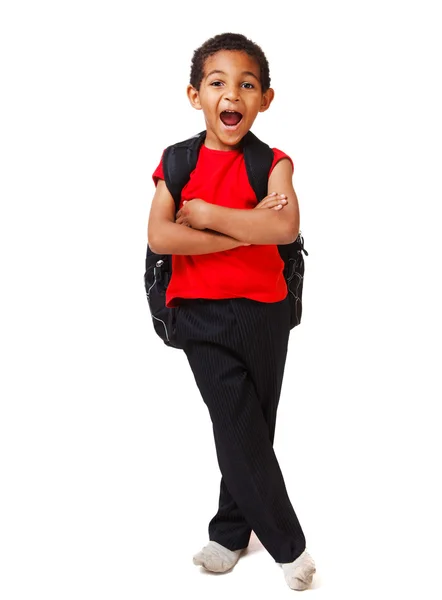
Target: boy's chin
[[224, 140], [231, 136]]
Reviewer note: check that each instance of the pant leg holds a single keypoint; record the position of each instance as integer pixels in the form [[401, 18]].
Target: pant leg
[[214, 342], [229, 527]]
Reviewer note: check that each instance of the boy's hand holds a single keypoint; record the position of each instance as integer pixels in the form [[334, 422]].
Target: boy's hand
[[194, 213], [274, 201]]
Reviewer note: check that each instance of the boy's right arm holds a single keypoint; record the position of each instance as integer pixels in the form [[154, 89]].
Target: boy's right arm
[[167, 237]]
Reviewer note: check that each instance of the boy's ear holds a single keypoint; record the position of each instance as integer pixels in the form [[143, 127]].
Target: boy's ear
[[267, 98], [194, 97]]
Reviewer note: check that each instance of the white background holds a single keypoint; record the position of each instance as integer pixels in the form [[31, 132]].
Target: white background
[[108, 469]]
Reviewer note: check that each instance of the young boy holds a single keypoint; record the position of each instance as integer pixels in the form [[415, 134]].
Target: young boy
[[233, 308]]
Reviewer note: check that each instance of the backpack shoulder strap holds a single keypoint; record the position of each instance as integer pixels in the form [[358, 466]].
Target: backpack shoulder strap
[[258, 157], [179, 160]]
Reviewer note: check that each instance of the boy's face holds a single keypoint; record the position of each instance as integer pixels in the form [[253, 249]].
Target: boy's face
[[230, 97]]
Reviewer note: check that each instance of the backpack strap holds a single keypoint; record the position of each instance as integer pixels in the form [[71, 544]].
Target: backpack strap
[[179, 160], [258, 157]]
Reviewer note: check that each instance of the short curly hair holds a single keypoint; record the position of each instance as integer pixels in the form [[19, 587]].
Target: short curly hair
[[228, 41]]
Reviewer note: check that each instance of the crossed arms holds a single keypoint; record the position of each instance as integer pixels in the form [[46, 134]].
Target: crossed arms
[[201, 227]]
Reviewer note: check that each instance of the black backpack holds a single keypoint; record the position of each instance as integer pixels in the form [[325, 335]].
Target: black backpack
[[179, 160]]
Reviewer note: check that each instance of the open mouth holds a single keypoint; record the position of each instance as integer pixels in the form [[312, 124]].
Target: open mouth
[[230, 118]]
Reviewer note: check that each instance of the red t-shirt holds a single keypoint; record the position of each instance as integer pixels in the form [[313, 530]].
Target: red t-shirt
[[254, 271]]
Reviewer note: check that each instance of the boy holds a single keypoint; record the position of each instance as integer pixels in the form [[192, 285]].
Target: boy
[[232, 304]]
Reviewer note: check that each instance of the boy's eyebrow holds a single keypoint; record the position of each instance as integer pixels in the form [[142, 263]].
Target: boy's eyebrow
[[215, 71]]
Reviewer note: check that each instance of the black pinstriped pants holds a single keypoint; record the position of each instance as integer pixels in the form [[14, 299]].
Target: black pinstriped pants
[[236, 349]]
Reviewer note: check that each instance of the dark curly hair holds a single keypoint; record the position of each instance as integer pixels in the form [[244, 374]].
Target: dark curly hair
[[228, 41]]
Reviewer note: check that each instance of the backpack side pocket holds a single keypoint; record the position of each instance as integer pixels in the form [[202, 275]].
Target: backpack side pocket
[[156, 280], [295, 282]]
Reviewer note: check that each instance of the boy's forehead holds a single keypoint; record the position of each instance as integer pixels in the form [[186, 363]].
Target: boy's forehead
[[231, 60]]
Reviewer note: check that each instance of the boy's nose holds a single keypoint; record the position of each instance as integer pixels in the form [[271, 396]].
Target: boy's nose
[[231, 95]]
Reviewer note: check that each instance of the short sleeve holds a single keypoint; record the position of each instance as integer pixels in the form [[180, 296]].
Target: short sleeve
[[158, 173], [277, 156]]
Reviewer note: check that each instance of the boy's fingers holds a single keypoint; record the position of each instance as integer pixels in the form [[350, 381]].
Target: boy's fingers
[[274, 195], [271, 197], [272, 202]]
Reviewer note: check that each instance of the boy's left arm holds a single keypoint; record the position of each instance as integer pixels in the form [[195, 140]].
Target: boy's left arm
[[251, 226]]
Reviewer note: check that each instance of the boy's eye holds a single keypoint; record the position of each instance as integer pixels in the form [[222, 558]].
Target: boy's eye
[[247, 85]]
